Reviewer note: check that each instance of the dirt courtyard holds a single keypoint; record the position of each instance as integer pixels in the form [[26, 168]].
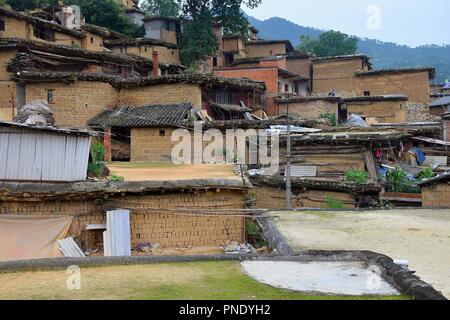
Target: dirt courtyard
[[420, 236], [167, 171]]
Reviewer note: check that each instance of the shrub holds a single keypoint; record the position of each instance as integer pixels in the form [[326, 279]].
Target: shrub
[[97, 164], [357, 176], [331, 117], [426, 174], [398, 181], [333, 203]]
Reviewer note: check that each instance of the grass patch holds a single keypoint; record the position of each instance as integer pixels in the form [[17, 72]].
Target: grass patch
[[195, 281]]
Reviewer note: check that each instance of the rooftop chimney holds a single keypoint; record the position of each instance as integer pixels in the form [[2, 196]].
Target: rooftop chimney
[[155, 64]]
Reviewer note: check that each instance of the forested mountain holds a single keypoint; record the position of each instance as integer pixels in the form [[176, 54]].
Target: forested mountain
[[384, 54]]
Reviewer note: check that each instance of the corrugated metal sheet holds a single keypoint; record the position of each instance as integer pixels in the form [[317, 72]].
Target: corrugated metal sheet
[[303, 171], [117, 237], [33, 155]]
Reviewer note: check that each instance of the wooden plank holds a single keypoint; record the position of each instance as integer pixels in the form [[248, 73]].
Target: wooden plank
[[303, 171], [370, 164], [431, 160], [96, 227], [70, 249]]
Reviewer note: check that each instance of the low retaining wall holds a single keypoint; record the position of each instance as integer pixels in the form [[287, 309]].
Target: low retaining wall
[[400, 278]]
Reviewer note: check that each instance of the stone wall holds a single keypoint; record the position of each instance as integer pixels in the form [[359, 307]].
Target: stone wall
[[436, 196], [418, 112], [158, 225]]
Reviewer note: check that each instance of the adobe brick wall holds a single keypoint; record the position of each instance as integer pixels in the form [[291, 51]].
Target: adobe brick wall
[[310, 110], [436, 196], [300, 66], [336, 75], [413, 85], [274, 63], [447, 130], [166, 55], [147, 145], [15, 28], [75, 103], [162, 94], [6, 55], [156, 226], [275, 198], [96, 44], [380, 111], [266, 50], [7, 100]]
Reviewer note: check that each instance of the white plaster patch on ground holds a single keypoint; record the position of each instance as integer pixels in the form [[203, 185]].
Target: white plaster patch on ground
[[420, 236], [329, 278]]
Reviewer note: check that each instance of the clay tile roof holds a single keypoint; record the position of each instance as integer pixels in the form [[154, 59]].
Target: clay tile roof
[[149, 116], [39, 21]]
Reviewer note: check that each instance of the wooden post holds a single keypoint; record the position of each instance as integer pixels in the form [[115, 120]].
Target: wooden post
[[288, 162], [107, 144]]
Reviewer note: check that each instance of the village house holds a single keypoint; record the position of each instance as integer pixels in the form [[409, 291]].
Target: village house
[[19, 57], [446, 119], [39, 178], [372, 109], [440, 106], [436, 192], [78, 97], [272, 71]]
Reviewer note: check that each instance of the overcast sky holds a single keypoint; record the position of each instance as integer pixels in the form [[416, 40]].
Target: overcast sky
[[413, 22]]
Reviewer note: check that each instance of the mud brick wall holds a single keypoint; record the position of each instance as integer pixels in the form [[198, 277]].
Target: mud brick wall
[[336, 75], [76, 103], [7, 87], [149, 145], [162, 94], [380, 111], [266, 50], [300, 66], [156, 226], [413, 85], [92, 42], [447, 130], [15, 28], [436, 196], [310, 110], [166, 55], [275, 198]]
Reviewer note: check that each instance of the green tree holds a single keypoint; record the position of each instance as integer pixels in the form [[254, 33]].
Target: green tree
[[107, 13], [163, 8], [4, 4], [330, 43], [199, 41], [23, 5]]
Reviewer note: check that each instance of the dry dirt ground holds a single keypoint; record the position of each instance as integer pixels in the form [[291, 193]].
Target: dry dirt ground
[[420, 236], [155, 171]]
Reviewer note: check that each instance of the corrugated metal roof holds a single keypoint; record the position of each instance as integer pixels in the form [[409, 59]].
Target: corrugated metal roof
[[172, 115], [66, 131]]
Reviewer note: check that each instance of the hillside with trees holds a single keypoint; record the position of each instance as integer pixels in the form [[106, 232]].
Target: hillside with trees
[[384, 54]]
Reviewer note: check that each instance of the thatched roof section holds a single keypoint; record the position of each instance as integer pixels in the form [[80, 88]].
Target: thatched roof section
[[46, 76], [207, 81], [40, 22], [130, 42], [257, 124], [318, 184], [21, 191], [350, 136], [67, 51]]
